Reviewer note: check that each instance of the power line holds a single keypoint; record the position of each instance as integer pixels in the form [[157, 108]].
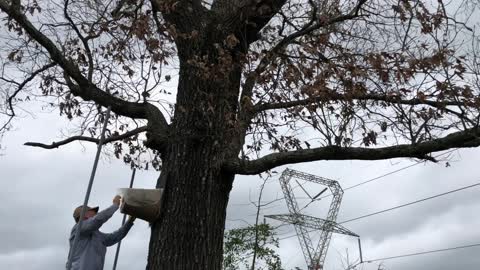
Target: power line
[[362, 183], [422, 253], [375, 178], [400, 206], [398, 170], [383, 175], [390, 173], [368, 180], [411, 203]]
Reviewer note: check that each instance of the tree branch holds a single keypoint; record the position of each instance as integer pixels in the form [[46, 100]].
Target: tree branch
[[467, 138], [24, 83], [116, 12], [185, 15], [88, 139], [119, 106], [246, 18], [82, 38], [370, 96], [85, 89], [312, 25]]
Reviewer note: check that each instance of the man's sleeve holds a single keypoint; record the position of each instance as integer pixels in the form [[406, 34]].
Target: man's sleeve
[[94, 223], [118, 235]]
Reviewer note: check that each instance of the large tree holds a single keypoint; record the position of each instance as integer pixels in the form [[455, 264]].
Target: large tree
[[258, 84]]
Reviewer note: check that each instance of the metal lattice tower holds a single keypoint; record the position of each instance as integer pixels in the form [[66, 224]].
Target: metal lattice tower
[[314, 255]]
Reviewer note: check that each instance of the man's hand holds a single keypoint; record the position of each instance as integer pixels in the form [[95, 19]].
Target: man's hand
[[116, 200], [131, 219]]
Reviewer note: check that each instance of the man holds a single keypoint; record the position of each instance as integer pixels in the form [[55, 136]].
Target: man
[[89, 253]]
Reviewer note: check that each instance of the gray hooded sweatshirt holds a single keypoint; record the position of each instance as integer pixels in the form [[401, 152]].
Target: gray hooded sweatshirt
[[92, 245]]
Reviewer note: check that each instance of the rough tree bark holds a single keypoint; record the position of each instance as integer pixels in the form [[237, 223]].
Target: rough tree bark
[[189, 233]]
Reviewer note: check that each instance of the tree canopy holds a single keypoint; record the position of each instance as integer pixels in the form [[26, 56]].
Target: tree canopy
[[319, 79]]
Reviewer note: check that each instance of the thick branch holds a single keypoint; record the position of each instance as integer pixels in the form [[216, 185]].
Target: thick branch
[[185, 15], [119, 106], [118, 8], [85, 88], [87, 139], [245, 17], [468, 138]]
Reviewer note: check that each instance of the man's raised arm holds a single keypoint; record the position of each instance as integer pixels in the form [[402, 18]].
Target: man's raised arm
[[98, 220], [118, 235]]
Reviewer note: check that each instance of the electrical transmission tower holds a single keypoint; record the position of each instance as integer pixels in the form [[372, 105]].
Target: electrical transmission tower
[[314, 255]]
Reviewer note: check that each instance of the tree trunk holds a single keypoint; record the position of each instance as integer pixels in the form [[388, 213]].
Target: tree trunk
[[189, 232]]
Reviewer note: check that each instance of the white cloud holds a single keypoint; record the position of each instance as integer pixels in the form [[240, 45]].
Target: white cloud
[[33, 259], [41, 188]]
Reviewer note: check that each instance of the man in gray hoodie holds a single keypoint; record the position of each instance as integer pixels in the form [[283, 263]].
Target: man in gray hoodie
[[89, 253]]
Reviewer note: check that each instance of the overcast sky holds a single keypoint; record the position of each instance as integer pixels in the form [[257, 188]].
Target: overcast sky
[[42, 187]]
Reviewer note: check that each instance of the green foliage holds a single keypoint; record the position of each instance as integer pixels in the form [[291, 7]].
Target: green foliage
[[243, 244]]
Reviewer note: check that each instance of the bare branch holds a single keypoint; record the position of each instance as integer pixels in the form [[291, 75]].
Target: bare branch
[[369, 96], [6, 125], [24, 83], [88, 139], [82, 38], [85, 89], [308, 28], [467, 138]]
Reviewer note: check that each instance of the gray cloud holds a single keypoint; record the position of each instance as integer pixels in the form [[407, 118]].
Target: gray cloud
[[41, 188]]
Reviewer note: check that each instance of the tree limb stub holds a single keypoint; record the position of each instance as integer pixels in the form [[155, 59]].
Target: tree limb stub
[[467, 138], [87, 139]]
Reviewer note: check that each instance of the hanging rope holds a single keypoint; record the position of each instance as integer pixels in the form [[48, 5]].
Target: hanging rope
[[89, 189]]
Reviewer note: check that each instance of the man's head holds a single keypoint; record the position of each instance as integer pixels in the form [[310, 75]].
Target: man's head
[[90, 212]]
